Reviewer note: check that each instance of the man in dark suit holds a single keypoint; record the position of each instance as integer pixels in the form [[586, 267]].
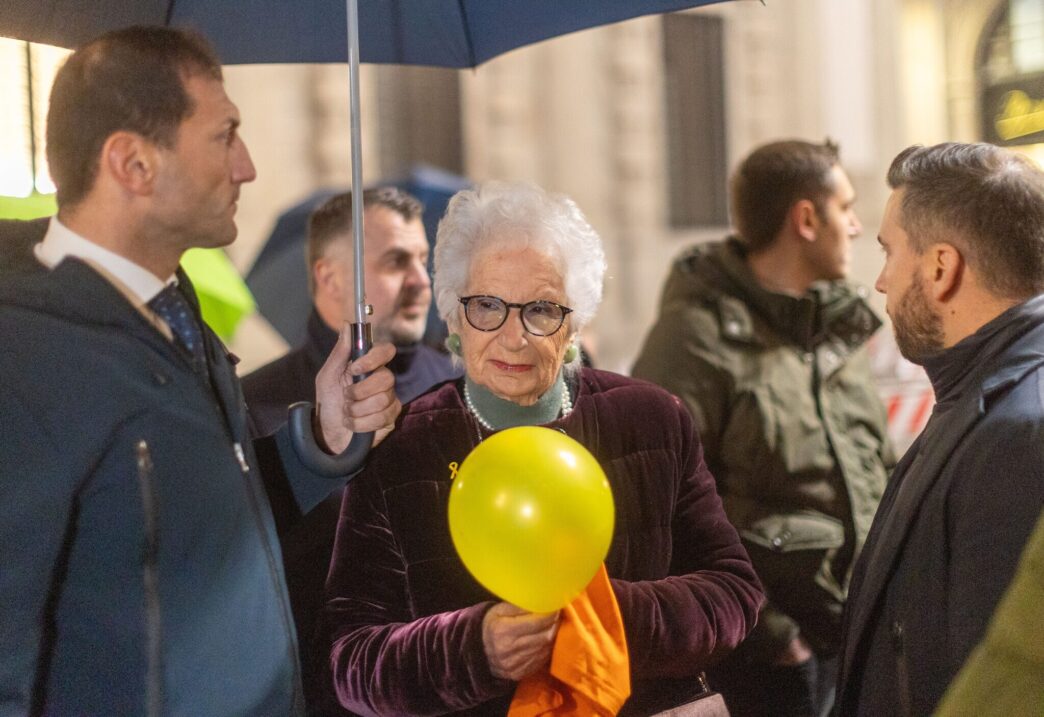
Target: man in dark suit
[[140, 566], [399, 289], [963, 236]]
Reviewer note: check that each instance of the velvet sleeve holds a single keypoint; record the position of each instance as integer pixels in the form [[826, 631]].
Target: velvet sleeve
[[383, 662], [710, 600]]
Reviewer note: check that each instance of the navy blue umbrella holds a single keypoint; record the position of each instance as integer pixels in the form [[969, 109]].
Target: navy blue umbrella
[[443, 33], [447, 33]]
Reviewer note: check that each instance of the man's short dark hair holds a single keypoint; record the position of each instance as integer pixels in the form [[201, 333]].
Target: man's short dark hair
[[772, 179], [333, 218], [126, 80], [986, 201]]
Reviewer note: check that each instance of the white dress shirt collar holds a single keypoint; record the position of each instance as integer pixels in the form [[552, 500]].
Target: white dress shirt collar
[[137, 283]]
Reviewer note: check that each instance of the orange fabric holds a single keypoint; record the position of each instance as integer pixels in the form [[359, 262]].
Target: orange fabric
[[590, 671]]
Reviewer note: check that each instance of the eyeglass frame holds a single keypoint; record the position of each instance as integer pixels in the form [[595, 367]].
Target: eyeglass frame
[[508, 306]]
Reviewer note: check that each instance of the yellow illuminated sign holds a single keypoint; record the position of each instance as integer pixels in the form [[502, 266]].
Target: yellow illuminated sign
[[1020, 116]]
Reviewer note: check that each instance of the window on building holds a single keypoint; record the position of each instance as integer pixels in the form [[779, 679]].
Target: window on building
[[1011, 77], [419, 111], [26, 73], [695, 95]]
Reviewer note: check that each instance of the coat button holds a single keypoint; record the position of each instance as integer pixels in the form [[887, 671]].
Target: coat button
[[897, 636]]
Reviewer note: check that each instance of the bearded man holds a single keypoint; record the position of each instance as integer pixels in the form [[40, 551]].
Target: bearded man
[[963, 237]]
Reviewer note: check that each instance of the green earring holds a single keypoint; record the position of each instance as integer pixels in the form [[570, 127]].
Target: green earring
[[571, 354], [453, 344]]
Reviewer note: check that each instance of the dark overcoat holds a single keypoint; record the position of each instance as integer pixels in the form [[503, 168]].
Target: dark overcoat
[[140, 565], [952, 524]]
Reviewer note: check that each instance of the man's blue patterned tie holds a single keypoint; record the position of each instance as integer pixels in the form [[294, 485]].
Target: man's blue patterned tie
[[172, 307]]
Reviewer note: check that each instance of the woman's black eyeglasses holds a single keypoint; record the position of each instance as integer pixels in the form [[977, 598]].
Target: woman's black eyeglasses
[[488, 313]]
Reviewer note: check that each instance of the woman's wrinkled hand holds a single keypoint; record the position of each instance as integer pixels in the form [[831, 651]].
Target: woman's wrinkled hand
[[517, 643]]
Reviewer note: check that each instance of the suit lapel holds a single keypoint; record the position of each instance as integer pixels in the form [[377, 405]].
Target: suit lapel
[[220, 367]]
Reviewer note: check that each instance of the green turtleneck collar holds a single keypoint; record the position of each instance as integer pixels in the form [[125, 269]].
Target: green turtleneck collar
[[497, 413]]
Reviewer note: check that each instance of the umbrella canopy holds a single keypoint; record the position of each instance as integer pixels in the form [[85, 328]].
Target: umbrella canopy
[[279, 276], [443, 33], [447, 33]]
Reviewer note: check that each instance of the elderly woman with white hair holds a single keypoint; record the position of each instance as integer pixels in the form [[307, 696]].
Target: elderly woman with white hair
[[518, 274]]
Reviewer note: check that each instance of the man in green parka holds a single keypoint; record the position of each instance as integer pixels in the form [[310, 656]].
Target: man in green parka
[[763, 339]]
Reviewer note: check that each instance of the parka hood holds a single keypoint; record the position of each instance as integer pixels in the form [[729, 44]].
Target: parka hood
[[716, 274]]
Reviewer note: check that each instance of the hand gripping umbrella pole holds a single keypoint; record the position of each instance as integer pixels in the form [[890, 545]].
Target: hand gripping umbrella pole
[[300, 419]]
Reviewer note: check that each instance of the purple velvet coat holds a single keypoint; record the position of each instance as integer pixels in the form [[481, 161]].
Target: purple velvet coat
[[404, 616]]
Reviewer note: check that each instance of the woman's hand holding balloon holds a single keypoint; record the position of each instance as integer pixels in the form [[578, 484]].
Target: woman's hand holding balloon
[[517, 642]]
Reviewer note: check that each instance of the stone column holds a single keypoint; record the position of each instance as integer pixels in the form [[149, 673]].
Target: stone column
[[633, 61]]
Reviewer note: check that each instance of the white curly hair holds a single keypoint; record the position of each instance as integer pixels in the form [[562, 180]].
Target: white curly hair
[[518, 214]]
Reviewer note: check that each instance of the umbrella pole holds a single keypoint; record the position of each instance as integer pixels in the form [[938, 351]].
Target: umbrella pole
[[301, 414], [361, 308]]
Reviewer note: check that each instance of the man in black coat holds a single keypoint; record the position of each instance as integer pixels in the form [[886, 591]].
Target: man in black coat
[[963, 236], [399, 289]]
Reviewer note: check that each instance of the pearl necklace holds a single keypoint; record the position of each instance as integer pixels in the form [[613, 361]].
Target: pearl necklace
[[567, 407]]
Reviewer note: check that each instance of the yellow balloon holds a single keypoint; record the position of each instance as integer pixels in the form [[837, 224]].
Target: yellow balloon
[[531, 515]]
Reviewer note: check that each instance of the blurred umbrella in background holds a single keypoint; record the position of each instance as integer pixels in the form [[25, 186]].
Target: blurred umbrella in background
[[278, 278]]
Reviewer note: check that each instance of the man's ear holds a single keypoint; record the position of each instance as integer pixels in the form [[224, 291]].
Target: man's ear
[[945, 267], [329, 278], [804, 219], [131, 161]]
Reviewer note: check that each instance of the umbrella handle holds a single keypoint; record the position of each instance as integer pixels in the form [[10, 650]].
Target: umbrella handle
[[303, 439]]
